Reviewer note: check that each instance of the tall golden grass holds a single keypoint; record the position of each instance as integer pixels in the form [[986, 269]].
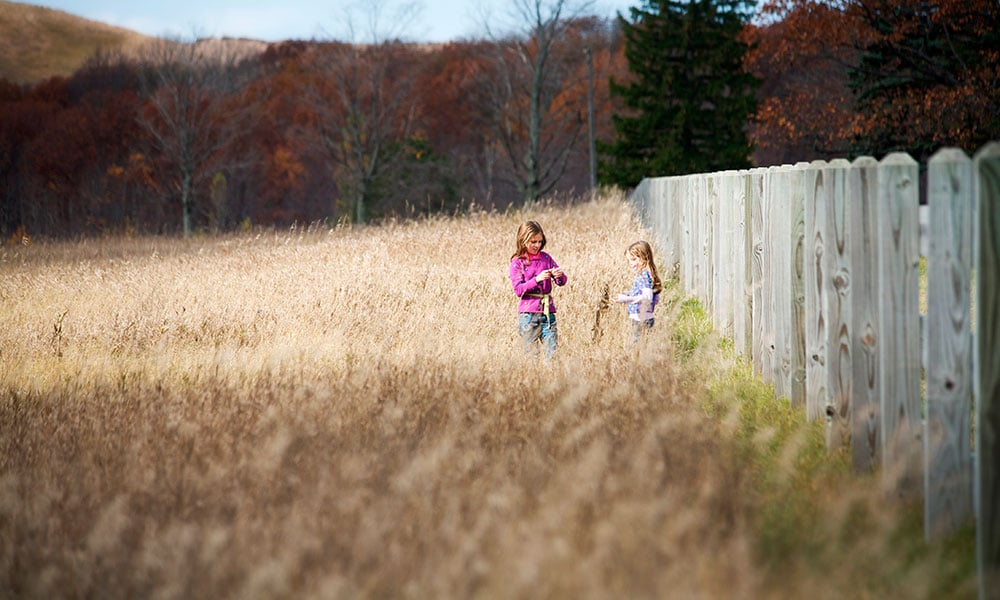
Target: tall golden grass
[[347, 412]]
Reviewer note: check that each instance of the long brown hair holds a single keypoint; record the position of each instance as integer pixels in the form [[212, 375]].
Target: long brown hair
[[525, 232], [644, 252]]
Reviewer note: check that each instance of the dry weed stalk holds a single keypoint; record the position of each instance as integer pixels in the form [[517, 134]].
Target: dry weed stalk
[[602, 307]]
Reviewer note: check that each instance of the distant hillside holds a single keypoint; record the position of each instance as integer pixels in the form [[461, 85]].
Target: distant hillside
[[37, 42]]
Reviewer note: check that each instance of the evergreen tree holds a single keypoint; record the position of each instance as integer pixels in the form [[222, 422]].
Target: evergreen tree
[[689, 99]]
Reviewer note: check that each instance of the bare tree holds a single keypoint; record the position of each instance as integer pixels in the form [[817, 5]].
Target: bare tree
[[361, 94], [537, 121], [196, 110]]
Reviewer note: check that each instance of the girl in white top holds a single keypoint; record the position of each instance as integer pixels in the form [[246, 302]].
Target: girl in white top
[[641, 300]]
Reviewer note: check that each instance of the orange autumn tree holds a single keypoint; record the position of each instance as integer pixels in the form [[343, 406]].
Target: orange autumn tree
[[801, 53], [456, 121], [927, 76], [851, 77]]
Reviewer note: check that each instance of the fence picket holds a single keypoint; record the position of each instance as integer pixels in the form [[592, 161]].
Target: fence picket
[[947, 449], [815, 213], [720, 257], [987, 362], [743, 320], [781, 274], [798, 240], [838, 298], [672, 234], [865, 443], [899, 322], [761, 272]]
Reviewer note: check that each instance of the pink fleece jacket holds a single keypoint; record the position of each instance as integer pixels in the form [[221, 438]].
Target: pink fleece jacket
[[522, 277]]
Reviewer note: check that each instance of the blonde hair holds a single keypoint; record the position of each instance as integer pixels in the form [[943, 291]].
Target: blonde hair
[[644, 253], [525, 232]]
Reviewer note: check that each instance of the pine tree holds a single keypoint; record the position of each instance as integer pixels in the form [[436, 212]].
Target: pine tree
[[689, 99]]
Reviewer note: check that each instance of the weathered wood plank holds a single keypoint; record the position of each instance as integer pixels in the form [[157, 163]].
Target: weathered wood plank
[[760, 269], [672, 247], [865, 444], [653, 217], [743, 323], [733, 254], [720, 254], [899, 324], [987, 359], [838, 288], [781, 280], [707, 216], [815, 213], [798, 298], [687, 235], [947, 449]]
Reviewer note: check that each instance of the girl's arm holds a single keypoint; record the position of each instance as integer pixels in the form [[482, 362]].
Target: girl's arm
[[642, 290], [558, 276], [521, 280], [644, 295]]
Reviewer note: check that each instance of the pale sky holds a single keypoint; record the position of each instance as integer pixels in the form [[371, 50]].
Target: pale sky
[[275, 20]]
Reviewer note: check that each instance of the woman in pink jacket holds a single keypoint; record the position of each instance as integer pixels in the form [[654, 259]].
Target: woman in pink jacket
[[533, 274]]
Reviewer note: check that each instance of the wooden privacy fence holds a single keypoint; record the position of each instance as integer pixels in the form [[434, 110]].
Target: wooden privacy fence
[[813, 271]]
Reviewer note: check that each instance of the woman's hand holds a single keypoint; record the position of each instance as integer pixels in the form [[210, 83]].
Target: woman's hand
[[546, 274]]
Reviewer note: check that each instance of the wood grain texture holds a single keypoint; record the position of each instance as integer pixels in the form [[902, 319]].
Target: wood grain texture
[[865, 441], [899, 323], [814, 268], [838, 300], [780, 239], [798, 299], [947, 449], [761, 276]]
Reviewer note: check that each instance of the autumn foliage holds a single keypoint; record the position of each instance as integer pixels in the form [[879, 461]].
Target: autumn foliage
[[326, 131], [851, 77], [303, 132]]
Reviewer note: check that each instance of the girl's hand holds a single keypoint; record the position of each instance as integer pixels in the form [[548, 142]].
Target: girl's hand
[[622, 298], [546, 274], [556, 273]]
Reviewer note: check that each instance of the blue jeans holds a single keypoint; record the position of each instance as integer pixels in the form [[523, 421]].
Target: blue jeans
[[534, 327], [639, 329]]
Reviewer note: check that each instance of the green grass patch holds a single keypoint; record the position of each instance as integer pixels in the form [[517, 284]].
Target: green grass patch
[[810, 512]]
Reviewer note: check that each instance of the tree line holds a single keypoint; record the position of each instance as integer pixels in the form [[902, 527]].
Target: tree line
[[190, 136]]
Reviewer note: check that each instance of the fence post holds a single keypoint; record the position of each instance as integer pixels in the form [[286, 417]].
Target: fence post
[[865, 443], [947, 451], [987, 364], [899, 323]]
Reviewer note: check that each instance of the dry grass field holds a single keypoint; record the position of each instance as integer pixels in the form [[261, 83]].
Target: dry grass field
[[346, 412]]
